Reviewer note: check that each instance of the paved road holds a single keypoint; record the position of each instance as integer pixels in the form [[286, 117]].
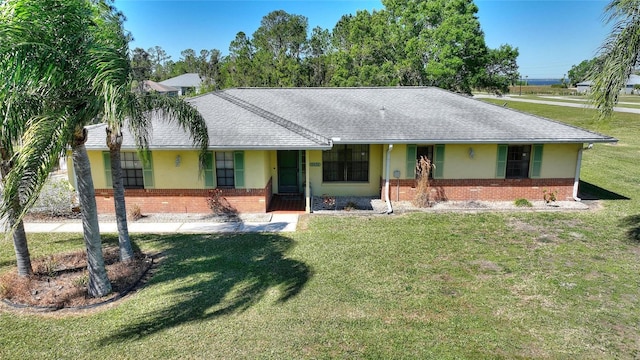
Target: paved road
[[557, 103]]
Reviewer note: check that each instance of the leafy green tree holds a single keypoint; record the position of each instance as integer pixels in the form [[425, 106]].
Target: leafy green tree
[[159, 63], [500, 69], [367, 50], [280, 43], [141, 64], [582, 72], [56, 49], [619, 55], [444, 41], [318, 61], [240, 66], [190, 60], [210, 69]]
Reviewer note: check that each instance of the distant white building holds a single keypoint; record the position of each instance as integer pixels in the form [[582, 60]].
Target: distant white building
[[186, 83], [585, 86]]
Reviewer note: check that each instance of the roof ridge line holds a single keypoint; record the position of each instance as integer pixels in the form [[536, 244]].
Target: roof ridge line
[[278, 120]]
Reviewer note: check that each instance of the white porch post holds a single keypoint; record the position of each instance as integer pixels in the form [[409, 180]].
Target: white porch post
[[307, 190]]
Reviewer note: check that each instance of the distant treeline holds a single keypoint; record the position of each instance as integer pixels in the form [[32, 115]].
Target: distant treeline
[[430, 42]]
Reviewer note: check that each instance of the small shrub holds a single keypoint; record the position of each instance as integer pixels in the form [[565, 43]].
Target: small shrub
[[523, 203], [49, 267], [329, 202], [135, 213], [351, 206], [81, 281], [549, 196], [57, 198]]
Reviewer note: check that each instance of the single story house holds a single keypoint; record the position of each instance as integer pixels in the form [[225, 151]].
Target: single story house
[[152, 86], [310, 142], [585, 86], [187, 84]]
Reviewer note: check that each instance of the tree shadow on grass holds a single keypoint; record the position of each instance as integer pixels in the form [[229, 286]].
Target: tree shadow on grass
[[214, 275], [632, 224]]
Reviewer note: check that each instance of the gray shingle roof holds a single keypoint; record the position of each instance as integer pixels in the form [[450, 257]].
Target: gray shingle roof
[[229, 127], [409, 115], [152, 85], [184, 80], [308, 118]]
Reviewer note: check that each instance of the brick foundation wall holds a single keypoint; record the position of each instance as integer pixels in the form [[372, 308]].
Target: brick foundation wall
[[483, 189], [185, 200]]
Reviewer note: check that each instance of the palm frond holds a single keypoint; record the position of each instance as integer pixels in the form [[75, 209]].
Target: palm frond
[[43, 142], [618, 56], [173, 109]]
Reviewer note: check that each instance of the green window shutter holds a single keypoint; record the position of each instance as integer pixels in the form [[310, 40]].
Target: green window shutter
[[147, 172], [536, 157], [238, 168], [501, 165], [412, 151], [106, 157], [438, 161], [209, 178]]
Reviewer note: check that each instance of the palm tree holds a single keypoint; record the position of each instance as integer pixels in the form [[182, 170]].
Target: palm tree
[[114, 81], [11, 128], [23, 258], [140, 108], [49, 50], [618, 56]]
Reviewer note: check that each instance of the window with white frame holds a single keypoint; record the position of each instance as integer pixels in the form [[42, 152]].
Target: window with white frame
[[132, 171], [224, 169]]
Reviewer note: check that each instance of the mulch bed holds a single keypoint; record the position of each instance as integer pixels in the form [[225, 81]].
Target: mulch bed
[[60, 281]]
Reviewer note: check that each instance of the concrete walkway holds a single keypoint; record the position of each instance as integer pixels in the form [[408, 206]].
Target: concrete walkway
[[277, 223], [557, 103]]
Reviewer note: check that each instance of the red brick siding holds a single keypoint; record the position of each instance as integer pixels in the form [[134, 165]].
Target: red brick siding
[[186, 200], [484, 189]]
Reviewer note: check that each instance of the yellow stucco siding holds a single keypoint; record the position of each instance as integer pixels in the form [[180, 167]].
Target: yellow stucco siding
[[171, 174], [256, 169], [458, 163], [398, 161], [97, 170], [369, 188], [559, 160]]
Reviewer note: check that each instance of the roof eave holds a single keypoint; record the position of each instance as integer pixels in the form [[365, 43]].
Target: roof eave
[[482, 141]]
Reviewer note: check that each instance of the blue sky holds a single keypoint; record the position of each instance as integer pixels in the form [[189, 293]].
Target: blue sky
[[551, 35]]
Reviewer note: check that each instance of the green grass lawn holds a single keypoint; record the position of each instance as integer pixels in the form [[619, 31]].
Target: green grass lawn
[[486, 285]]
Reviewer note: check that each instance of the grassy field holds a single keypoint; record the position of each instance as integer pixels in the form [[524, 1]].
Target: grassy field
[[539, 90], [486, 285]]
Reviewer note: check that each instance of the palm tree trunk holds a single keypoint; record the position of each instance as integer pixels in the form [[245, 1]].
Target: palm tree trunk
[[114, 142], [23, 258], [99, 284]]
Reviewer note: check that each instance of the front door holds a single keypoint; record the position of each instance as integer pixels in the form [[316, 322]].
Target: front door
[[288, 171]]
